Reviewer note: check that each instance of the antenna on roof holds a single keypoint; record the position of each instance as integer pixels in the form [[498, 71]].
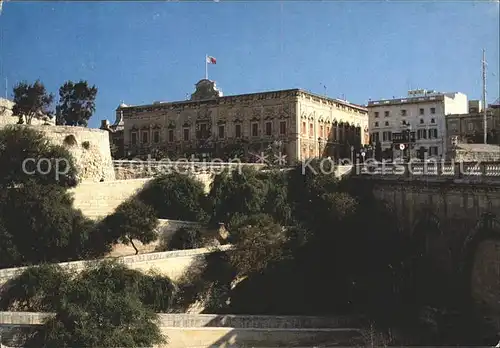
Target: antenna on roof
[[324, 87]]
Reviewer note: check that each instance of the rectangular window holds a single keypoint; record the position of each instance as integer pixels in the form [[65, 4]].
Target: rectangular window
[[221, 132], [321, 131], [145, 137], [424, 133], [237, 131], [204, 134], [269, 128], [433, 111], [403, 112], [304, 128], [311, 129], [421, 111], [386, 113], [384, 136], [255, 129], [376, 113], [282, 127], [156, 137], [133, 136], [171, 135], [327, 132], [470, 126], [186, 134]]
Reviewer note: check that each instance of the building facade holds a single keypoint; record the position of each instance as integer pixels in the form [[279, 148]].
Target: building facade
[[292, 122], [469, 128], [414, 126]]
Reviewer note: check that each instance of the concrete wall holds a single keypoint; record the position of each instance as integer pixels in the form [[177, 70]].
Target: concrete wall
[[188, 330], [170, 263]]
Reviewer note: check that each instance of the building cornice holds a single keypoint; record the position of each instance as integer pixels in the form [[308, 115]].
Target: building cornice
[[230, 99]]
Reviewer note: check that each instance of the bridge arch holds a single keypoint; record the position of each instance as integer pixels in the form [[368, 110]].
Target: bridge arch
[[425, 230], [481, 266]]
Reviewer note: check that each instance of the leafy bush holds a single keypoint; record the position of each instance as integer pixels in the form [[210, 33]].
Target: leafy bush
[[258, 242], [131, 220], [40, 225], [106, 305], [186, 238], [236, 192], [176, 196], [23, 146]]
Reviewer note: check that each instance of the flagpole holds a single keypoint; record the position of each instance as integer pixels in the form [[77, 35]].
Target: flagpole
[[206, 67]]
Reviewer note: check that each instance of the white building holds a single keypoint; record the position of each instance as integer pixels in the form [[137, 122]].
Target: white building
[[414, 125]]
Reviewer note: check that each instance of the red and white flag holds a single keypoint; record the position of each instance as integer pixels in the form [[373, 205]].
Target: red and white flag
[[211, 60]]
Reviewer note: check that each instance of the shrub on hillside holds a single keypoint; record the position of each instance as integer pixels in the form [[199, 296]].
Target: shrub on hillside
[[176, 196], [237, 192], [106, 305], [23, 148], [41, 225], [131, 220], [259, 241], [186, 238]]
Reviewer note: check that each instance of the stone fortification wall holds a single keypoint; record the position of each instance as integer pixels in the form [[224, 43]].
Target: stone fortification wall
[[7, 117], [169, 263], [89, 147], [99, 199]]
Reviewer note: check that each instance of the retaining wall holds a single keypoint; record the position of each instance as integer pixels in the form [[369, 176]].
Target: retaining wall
[[207, 330], [170, 263], [99, 199]]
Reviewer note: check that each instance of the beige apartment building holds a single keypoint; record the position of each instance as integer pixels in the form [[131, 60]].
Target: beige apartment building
[[414, 125], [297, 123]]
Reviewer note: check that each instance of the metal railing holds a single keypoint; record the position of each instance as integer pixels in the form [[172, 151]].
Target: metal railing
[[451, 170]]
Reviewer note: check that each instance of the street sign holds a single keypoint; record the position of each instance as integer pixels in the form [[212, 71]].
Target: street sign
[[401, 147]]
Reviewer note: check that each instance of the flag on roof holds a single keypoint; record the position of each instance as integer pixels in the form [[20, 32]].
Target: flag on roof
[[211, 60]]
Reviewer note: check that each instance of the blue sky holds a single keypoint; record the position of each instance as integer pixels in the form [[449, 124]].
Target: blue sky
[[140, 52]]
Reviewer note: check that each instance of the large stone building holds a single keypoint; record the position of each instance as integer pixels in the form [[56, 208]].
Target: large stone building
[[414, 125], [468, 128], [294, 122]]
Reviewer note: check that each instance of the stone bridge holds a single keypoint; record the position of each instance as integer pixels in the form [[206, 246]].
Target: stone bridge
[[453, 211]]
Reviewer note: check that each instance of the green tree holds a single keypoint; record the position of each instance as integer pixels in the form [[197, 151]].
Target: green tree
[[22, 149], [31, 101], [106, 305], [258, 241], [186, 238], [238, 191], [41, 225], [131, 220], [76, 103], [176, 196]]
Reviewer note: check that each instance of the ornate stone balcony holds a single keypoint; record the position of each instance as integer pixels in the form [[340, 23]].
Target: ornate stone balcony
[[474, 171]]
